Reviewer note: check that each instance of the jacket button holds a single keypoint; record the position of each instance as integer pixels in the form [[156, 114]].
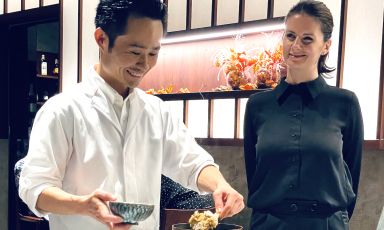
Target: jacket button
[[293, 207], [314, 207]]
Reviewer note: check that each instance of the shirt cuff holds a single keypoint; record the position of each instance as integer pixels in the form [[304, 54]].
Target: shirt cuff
[[198, 171], [31, 199]]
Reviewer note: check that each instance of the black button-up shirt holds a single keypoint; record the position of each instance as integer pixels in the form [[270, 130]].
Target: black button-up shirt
[[303, 142]]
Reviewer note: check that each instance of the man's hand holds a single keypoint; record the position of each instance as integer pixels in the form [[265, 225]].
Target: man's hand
[[95, 205], [120, 226], [228, 201], [55, 200]]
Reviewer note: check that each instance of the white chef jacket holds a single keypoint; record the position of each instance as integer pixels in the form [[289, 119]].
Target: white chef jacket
[[78, 145]]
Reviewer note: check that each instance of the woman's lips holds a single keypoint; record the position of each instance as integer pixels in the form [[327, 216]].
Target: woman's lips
[[296, 56]]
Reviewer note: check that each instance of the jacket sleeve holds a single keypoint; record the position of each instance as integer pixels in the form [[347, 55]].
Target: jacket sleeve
[[250, 140], [353, 138], [183, 158], [48, 153]]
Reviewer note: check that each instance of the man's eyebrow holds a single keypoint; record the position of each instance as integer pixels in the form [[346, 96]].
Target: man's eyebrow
[[143, 47]]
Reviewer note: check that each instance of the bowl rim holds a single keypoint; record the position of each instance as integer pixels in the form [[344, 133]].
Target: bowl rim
[[129, 203]]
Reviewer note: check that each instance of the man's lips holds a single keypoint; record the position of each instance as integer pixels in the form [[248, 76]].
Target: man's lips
[[135, 74]]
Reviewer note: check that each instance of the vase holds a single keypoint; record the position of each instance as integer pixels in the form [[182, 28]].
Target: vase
[[236, 78]]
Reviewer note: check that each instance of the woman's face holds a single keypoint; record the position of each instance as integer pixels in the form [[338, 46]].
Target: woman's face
[[303, 43]]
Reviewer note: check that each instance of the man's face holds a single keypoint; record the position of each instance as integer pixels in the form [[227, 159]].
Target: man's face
[[133, 54]]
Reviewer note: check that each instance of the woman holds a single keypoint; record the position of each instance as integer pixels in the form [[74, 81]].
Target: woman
[[303, 140]]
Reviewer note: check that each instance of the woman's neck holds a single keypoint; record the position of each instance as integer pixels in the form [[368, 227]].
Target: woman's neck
[[299, 76]]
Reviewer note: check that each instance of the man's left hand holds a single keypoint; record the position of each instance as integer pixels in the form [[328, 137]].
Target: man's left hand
[[228, 201]]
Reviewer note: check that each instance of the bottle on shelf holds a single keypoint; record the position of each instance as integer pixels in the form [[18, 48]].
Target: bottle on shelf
[[56, 69], [44, 65], [45, 96], [32, 99], [20, 149]]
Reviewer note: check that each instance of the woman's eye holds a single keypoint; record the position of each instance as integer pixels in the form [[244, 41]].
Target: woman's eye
[[307, 40], [291, 37]]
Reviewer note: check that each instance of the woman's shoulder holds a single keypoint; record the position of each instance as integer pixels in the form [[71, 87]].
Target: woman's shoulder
[[340, 94], [262, 97]]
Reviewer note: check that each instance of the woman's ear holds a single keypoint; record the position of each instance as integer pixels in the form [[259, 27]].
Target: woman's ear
[[326, 47], [101, 39]]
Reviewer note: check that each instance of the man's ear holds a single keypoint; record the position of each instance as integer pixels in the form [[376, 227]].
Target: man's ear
[[101, 39]]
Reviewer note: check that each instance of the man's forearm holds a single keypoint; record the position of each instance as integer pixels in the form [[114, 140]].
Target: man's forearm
[[209, 178], [57, 201]]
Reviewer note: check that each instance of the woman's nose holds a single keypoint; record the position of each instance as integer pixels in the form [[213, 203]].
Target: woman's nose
[[296, 43]]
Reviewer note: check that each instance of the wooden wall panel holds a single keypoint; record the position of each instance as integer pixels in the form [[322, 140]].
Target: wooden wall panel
[[335, 8], [362, 58], [191, 64], [89, 49], [177, 13], [255, 10], [70, 44], [14, 6], [281, 8], [227, 12], [49, 2], [30, 4], [201, 13]]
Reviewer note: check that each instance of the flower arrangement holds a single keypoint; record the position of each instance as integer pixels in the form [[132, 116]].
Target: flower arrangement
[[166, 90], [235, 65], [251, 69]]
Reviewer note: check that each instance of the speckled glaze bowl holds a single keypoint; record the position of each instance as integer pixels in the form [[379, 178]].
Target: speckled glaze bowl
[[221, 226], [131, 213]]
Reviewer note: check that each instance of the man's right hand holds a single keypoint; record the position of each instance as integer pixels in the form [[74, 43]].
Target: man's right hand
[[55, 200], [96, 206]]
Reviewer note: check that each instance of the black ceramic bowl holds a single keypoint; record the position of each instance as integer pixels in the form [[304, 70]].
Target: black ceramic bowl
[[130, 212], [219, 227]]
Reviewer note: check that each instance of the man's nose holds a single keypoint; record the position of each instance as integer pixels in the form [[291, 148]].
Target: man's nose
[[143, 60]]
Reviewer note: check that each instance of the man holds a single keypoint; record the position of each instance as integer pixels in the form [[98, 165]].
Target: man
[[107, 140]]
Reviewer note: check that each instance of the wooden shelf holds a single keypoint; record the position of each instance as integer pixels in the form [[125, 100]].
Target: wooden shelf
[[209, 95], [47, 76]]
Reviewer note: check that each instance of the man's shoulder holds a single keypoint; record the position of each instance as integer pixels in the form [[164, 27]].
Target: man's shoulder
[[148, 98], [65, 100]]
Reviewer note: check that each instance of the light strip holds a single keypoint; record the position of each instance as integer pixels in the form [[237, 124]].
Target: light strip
[[204, 36]]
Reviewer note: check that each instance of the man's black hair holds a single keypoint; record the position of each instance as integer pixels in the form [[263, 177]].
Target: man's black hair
[[112, 15]]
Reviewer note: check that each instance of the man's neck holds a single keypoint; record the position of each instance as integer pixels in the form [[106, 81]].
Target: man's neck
[[124, 92]]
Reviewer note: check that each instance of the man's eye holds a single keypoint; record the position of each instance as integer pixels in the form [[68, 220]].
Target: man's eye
[[134, 53], [153, 54]]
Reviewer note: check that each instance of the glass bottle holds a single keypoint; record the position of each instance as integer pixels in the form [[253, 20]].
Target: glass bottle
[[56, 68], [44, 65], [20, 149], [32, 99]]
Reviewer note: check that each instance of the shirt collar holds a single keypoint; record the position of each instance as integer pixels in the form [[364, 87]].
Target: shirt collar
[[313, 88], [112, 95]]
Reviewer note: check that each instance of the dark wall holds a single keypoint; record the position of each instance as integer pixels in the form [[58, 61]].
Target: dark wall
[[3, 86]]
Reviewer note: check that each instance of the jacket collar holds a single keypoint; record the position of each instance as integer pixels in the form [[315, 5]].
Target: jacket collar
[[101, 101], [311, 88]]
